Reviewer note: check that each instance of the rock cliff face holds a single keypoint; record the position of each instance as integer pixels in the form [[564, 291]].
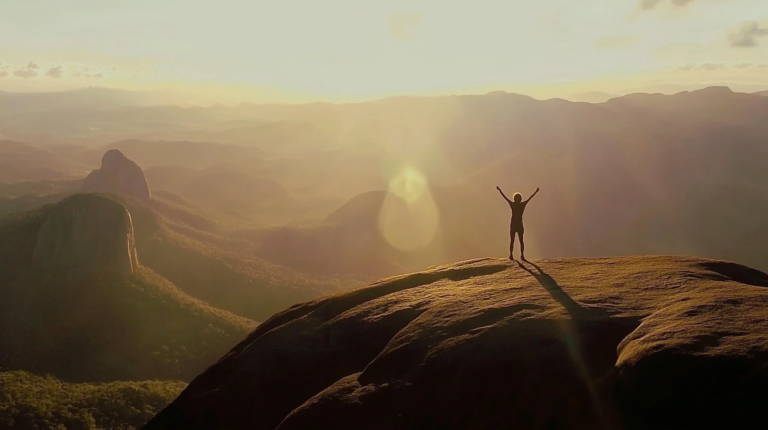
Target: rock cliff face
[[620, 343], [119, 175], [86, 231]]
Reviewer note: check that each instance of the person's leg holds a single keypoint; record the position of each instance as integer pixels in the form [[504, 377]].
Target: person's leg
[[511, 244], [522, 245]]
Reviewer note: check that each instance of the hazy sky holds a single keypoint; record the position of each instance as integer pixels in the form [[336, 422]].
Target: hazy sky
[[352, 49]]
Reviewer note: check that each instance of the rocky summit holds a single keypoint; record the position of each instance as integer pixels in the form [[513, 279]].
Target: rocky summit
[[609, 343], [117, 174], [86, 231]]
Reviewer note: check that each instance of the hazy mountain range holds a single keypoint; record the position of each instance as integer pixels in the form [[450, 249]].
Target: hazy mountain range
[[255, 208], [642, 173]]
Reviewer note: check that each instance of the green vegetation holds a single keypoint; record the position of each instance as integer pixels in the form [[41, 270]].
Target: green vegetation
[[92, 326], [190, 248], [9, 205], [99, 325], [40, 188], [171, 206], [224, 272], [32, 402]]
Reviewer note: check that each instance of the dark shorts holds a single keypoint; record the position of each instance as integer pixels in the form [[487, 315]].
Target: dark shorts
[[516, 229]]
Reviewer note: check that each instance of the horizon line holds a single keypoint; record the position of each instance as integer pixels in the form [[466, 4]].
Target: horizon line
[[608, 96]]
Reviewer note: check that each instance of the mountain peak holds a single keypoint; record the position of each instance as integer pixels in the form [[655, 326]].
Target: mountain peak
[[87, 231], [118, 174], [715, 89], [112, 159]]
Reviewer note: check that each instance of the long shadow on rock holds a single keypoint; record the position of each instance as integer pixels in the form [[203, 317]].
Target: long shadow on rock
[[576, 311], [593, 338], [602, 355], [492, 370], [684, 388], [486, 372], [738, 273]]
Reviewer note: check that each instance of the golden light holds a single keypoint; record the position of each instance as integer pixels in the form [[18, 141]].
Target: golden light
[[409, 218]]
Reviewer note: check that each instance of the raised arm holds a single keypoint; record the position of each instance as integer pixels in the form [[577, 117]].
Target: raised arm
[[502, 194], [534, 193]]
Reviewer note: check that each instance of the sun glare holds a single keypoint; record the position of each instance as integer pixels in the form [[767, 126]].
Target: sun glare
[[409, 218]]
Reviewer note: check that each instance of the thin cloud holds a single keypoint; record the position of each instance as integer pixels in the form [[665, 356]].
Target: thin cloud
[[24, 73], [3, 73], [27, 72], [55, 72], [651, 4], [746, 34]]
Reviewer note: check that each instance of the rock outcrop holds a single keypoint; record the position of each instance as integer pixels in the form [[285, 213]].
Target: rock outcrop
[[86, 231], [619, 343], [82, 318], [117, 174]]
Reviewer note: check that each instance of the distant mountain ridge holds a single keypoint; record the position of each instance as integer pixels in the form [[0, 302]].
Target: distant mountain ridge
[[633, 175], [90, 98], [25, 162], [117, 174], [273, 127]]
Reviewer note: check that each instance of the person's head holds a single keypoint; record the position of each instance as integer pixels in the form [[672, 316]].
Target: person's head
[[517, 197]]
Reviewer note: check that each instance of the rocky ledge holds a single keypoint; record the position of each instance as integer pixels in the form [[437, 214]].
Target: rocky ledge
[[611, 343]]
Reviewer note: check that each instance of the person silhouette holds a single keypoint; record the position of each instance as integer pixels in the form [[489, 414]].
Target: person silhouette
[[516, 225]]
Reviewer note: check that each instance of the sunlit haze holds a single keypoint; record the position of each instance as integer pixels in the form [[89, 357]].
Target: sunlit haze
[[370, 214], [341, 50]]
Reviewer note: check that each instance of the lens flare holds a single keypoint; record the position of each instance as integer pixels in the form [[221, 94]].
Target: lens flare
[[409, 218]]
